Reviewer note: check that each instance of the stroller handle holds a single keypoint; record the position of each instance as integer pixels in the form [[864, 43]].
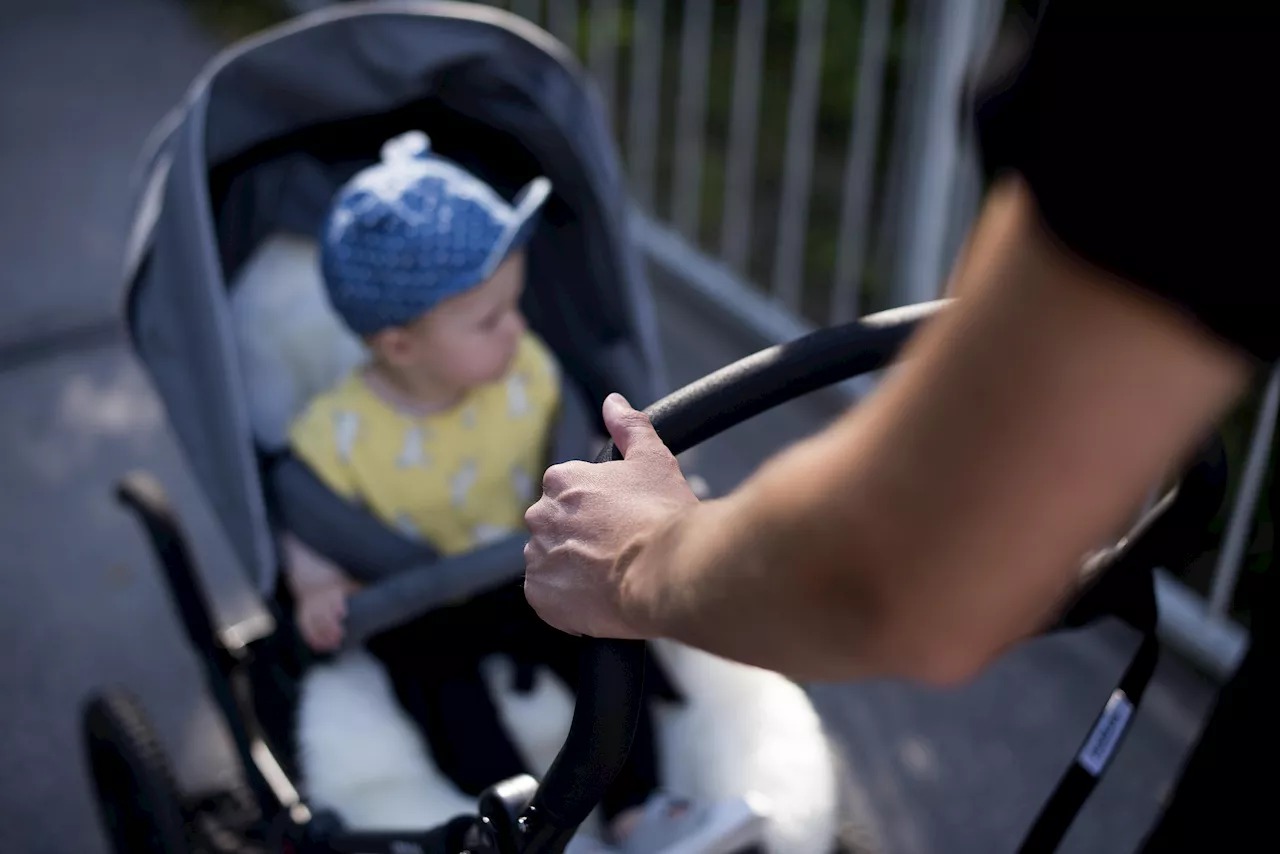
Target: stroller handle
[[612, 676]]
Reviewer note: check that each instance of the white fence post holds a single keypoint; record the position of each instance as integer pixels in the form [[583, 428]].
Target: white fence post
[[691, 115], [602, 49], [744, 121], [860, 163], [1231, 556], [797, 171], [944, 36], [642, 112]]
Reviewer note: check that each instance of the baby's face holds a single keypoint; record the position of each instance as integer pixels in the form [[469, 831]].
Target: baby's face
[[470, 339]]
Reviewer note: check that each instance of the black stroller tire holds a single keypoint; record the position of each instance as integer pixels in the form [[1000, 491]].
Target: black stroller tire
[[139, 803]]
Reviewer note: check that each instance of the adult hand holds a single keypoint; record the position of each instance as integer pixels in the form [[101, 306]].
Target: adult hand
[[593, 522]]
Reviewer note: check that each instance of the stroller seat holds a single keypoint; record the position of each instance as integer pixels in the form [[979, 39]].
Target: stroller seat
[[360, 754]]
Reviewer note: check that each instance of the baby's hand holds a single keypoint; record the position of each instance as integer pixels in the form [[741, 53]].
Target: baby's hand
[[320, 590], [320, 617]]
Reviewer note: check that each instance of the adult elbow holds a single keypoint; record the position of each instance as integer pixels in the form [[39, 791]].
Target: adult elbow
[[911, 647], [947, 668]]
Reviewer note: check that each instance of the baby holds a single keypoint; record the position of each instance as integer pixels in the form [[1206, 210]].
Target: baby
[[444, 435]]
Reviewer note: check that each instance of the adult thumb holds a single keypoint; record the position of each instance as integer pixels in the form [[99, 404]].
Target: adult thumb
[[631, 429]]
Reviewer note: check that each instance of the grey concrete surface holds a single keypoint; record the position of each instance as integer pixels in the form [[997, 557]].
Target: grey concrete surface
[[81, 85], [82, 82], [81, 605]]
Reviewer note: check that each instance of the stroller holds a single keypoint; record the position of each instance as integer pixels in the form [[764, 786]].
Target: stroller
[[226, 311]]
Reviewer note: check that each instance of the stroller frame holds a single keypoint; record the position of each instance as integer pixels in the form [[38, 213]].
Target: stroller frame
[[233, 660]]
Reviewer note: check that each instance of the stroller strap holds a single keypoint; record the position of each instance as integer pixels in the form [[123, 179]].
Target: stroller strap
[[1122, 584], [1095, 753]]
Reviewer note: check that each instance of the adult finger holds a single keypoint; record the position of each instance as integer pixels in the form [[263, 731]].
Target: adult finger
[[537, 514], [545, 519], [543, 600], [631, 429], [533, 554], [556, 479]]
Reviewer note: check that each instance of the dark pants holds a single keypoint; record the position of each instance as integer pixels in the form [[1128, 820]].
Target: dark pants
[[433, 663]]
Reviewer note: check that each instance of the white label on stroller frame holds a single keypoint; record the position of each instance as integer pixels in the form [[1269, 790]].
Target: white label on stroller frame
[[1106, 733]]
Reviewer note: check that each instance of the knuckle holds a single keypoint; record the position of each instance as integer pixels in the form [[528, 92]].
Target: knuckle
[[555, 478]]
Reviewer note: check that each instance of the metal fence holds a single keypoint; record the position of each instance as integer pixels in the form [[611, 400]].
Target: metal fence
[[698, 90]]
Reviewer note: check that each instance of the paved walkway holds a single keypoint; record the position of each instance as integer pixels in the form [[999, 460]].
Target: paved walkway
[[81, 84]]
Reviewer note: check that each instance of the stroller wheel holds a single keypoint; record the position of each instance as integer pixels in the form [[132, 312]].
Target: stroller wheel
[[138, 802]]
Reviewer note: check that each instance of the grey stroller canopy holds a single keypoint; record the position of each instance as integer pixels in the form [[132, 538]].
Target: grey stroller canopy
[[275, 125]]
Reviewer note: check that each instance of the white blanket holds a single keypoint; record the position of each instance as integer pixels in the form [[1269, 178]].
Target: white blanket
[[742, 730]]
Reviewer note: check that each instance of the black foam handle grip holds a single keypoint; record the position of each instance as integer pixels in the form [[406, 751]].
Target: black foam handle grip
[[612, 679]]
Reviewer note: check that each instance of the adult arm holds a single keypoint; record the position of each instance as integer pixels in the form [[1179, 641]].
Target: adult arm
[[932, 526], [944, 518]]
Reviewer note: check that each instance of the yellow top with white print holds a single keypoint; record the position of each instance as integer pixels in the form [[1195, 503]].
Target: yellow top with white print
[[458, 478]]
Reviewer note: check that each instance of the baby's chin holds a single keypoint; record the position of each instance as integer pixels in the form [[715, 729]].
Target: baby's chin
[[505, 366]]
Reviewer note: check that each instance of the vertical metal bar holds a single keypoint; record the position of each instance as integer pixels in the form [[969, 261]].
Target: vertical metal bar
[[744, 122], [529, 9], [891, 216], [793, 211], [642, 114], [562, 22], [602, 49], [859, 165], [967, 184], [691, 114], [1231, 557], [943, 42]]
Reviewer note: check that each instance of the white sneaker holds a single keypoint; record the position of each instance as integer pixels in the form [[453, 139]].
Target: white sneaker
[[672, 826]]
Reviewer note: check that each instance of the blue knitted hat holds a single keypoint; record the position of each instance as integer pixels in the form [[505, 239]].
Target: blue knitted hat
[[416, 229]]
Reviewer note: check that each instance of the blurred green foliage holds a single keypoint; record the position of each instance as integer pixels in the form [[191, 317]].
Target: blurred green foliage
[[233, 19]]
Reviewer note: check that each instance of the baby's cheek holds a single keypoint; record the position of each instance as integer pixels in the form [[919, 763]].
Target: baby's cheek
[[500, 357], [485, 364]]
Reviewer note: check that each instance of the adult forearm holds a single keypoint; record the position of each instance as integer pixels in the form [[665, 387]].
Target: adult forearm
[[753, 577], [938, 523]]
